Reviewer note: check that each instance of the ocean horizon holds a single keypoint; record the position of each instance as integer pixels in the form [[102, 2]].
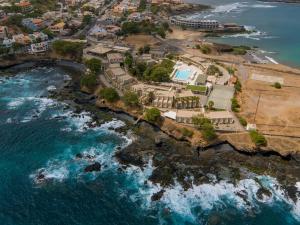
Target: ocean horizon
[[275, 26]]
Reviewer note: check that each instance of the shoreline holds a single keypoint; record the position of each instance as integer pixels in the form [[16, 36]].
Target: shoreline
[[74, 66], [173, 159]]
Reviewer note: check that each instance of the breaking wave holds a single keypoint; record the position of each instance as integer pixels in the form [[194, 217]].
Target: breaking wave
[[239, 7]]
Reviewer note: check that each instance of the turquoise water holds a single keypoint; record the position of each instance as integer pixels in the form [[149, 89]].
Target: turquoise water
[[276, 24], [40, 134], [183, 74]]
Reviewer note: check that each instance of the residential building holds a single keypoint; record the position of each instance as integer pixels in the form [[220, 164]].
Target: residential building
[[33, 24], [115, 58], [216, 117], [39, 47], [194, 23], [21, 39], [25, 5], [118, 77], [58, 27], [3, 32], [7, 42], [38, 37]]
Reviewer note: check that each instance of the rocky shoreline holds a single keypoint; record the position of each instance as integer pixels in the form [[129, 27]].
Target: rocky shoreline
[[178, 161]]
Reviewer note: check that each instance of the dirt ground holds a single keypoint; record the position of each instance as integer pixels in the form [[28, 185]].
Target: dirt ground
[[180, 34], [276, 112], [140, 40]]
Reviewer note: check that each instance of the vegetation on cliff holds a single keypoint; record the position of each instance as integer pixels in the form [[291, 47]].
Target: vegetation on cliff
[[94, 65], [89, 81], [68, 49], [131, 99], [258, 139], [204, 125], [145, 27], [109, 94], [152, 115]]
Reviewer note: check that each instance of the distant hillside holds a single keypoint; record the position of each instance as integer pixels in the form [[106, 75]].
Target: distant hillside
[[284, 1]]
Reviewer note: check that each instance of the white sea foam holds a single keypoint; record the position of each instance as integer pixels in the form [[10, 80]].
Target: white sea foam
[[263, 6], [9, 120], [16, 102], [271, 60], [242, 196], [51, 88], [114, 124], [229, 7]]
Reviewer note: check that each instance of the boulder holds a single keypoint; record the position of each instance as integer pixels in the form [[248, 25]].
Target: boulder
[[93, 167], [157, 196]]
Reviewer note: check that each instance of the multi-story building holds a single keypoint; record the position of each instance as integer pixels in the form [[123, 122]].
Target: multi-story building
[[33, 24], [25, 5], [3, 32], [39, 47], [194, 23]]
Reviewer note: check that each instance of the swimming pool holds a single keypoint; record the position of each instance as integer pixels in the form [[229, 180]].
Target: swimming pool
[[183, 74]]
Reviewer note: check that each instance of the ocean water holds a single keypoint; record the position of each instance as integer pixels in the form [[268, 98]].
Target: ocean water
[[276, 26], [38, 134]]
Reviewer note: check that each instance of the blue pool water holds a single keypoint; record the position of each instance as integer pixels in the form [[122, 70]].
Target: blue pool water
[[38, 133], [183, 74]]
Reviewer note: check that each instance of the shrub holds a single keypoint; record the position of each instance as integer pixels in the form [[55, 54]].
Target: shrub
[[211, 105], [213, 70], [234, 105], [94, 65], [205, 126], [205, 49], [243, 122], [73, 49], [258, 139], [89, 81], [238, 86], [230, 70], [152, 115], [131, 99], [109, 94], [277, 85], [186, 132]]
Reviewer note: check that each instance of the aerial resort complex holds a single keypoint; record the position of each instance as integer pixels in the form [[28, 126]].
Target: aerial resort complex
[[149, 112]]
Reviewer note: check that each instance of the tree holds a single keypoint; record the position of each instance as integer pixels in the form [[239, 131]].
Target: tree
[[128, 60], [94, 65], [87, 19], [277, 85], [211, 105], [89, 81], [258, 139], [68, 48], [49, 33], [214, 70], [131, 99], [152, 115], [109, 94], [160, 74]]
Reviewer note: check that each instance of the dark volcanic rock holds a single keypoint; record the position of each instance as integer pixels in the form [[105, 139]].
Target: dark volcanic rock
[[263, 192], [79, 156], [158, 141], [93, 167], [292, 192], [157, 196]]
